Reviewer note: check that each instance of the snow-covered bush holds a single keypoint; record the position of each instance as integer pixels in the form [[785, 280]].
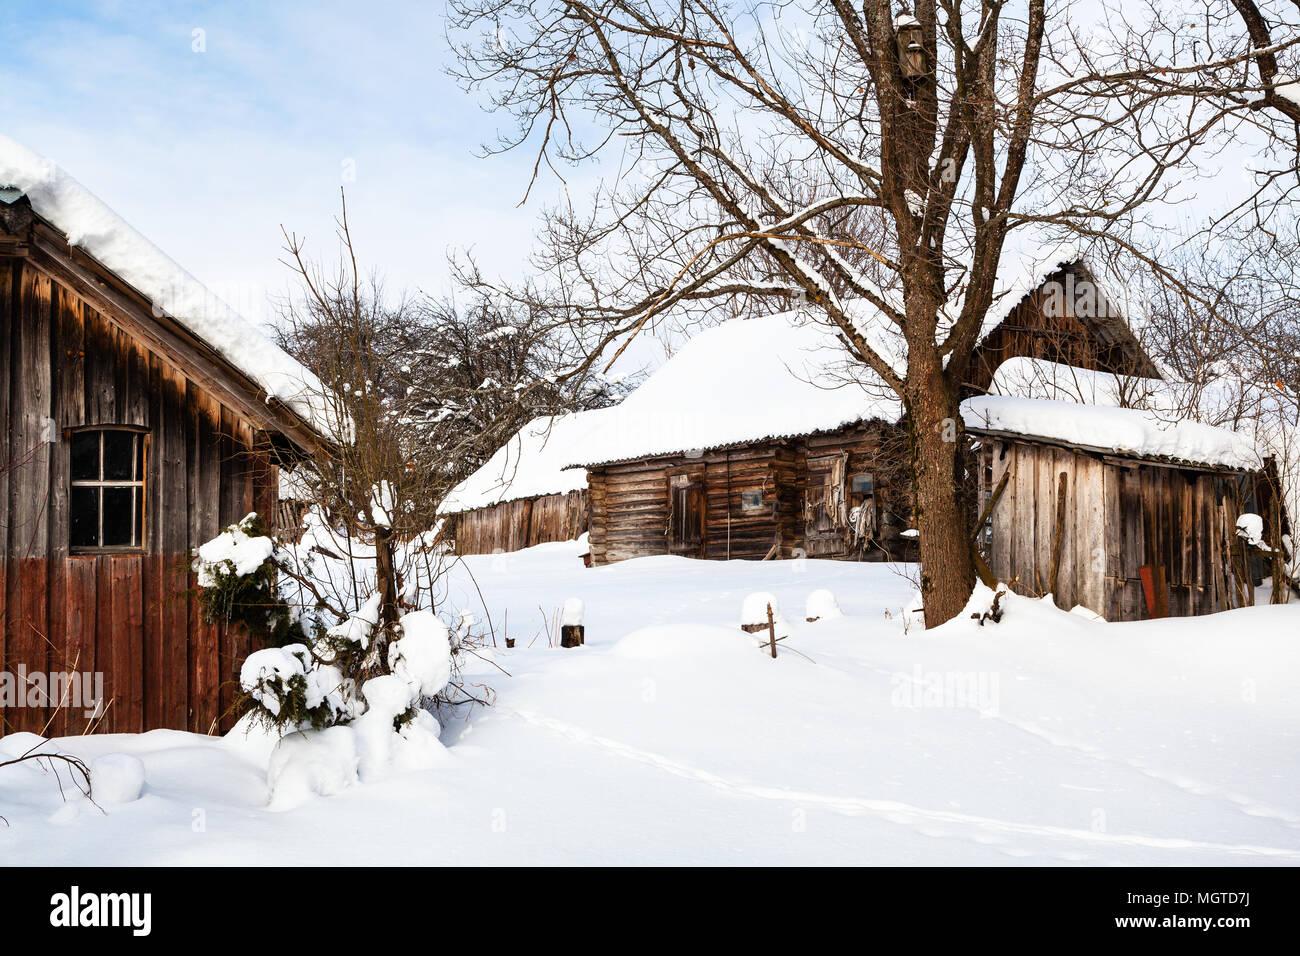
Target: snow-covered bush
[[421, 658], [381, 726], [288, 689], [237, 580], [300, 687]]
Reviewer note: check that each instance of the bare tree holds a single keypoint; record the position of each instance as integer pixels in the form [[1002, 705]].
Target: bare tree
[[858, 157]]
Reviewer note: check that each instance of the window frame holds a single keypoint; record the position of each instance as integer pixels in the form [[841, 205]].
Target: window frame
[[870, 476], [139, 485]]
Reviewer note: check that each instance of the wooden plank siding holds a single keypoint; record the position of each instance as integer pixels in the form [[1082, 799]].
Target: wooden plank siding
[[512, 525], [1068, 320], [1121, 514], [64, 364]]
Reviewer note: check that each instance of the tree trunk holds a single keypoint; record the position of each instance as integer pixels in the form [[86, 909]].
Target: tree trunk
[[939, 506], [386, 579]]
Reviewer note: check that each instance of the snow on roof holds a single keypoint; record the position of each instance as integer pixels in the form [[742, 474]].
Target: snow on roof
[[1025, 377], [1251, 408], [536, 461], [92, 226], [744, 380], [1021, 270], [1130, 432]]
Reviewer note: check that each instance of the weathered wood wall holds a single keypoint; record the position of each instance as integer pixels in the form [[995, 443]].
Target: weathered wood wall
[[126, 615], [512, 525], [1065, 320], [1120, 515], [631, 503]]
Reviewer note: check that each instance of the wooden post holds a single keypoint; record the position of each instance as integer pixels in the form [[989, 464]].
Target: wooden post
[[771, 631], [571, 630], [982, 569], [1058, 533]]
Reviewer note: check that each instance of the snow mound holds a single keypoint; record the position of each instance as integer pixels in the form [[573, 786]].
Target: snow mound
[[116, 778], [690, 642], [306, 764], [754, 612], [822, 606]]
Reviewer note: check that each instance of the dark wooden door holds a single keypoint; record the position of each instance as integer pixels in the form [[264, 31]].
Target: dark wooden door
[[686, 515], [826, 530]]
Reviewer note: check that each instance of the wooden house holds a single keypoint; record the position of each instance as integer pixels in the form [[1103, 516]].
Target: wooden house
[[1111, 508], [140, 416], [757, 439], [526, 493]]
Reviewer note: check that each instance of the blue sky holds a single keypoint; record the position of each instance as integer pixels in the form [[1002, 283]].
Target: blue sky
[[209, 151]]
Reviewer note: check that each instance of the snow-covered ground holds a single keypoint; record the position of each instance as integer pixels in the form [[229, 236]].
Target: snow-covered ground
[[670, 738]]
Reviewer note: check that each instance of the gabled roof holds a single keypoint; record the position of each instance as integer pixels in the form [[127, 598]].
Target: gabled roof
[[89, 224], [742, 381], [536, 461]]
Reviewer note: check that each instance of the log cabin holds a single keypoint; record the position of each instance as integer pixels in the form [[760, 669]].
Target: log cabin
[[1113, 509], [141, 416], [525, 494], [758, 439]]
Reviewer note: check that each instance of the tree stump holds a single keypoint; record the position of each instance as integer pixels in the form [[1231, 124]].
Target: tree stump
[[572, 635]]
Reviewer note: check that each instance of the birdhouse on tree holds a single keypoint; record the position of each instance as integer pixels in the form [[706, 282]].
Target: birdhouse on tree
[[911, 51]]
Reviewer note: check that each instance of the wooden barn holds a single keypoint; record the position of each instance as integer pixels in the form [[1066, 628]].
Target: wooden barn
[[758, 440], [526, 493], [1112, 508], [140, 417]]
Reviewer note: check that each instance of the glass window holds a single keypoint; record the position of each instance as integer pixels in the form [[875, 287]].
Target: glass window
[[861, 484], [751, 500], [106, 497]]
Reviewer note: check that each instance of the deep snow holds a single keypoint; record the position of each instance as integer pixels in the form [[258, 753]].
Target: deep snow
[[670, 738]]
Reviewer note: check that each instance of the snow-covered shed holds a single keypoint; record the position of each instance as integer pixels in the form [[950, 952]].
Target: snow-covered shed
[[759, 439], [527, 493], [140, 415], [1119, 510]]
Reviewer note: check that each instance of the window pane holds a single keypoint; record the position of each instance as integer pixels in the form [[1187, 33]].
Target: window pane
[[85, 456], [138, 505], [119, 455], [139, 458], [751, 500], [83, 519], [118, 519], [861, 484]]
